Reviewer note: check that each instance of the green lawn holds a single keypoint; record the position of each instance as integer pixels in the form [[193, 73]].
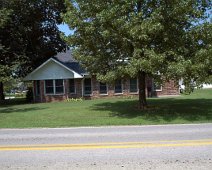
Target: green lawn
[[194, 108]]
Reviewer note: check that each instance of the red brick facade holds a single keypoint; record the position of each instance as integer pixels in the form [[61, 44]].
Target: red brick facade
[[169, 88]]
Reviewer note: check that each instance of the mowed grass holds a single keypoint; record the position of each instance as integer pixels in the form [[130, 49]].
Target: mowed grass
[[194, 108]]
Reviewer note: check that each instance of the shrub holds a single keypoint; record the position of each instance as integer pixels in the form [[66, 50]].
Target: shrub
[[74, 100]]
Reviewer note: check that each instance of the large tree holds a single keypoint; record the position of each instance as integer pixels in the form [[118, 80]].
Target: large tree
[[139, 38], [28, 35]]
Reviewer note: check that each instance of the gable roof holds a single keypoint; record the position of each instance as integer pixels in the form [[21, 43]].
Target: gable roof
[[65, 56], [65, 60]]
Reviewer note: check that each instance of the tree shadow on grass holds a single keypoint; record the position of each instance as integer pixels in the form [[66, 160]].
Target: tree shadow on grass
[[167, 110], [7, 106], [19, 110], [12, 102]]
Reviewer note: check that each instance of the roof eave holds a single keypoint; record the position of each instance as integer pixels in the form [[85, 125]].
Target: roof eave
[[76, 75]]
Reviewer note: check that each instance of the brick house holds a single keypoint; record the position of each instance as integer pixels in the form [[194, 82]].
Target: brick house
[[61, 77]]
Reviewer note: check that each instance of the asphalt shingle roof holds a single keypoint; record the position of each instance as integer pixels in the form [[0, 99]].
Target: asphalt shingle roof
[[67, 60]]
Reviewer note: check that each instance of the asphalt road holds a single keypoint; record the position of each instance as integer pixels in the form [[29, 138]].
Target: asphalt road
[[124, 147]]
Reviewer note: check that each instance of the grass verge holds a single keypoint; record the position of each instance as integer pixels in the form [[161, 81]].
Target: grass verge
[[194, 108]]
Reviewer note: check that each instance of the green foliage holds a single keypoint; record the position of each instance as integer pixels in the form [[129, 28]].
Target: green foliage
[[22, 95], [12, 84], [4, 16], [5, 73], [114, 39], [29, 34]]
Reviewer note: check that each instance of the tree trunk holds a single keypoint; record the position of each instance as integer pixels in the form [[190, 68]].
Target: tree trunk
[[1, 91], [142, 90]]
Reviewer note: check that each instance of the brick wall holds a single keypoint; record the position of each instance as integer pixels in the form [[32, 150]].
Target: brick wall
[[36, 98], [111, 90], [169, 88]]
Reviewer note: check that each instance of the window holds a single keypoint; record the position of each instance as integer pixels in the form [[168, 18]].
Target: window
[[157, 87], [102, 88], [87, 86], [59, 86], [72, 86], [49, 84], [133, 85], [54, 86], [118, 86], [37, 87]]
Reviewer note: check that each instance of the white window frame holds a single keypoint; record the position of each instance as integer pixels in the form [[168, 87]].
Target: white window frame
[[54, 88]]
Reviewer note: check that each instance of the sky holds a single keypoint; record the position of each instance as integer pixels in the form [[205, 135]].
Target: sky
[[64, 28]]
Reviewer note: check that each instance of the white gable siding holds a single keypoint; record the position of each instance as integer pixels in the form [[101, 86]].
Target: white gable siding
[[51, 70]]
